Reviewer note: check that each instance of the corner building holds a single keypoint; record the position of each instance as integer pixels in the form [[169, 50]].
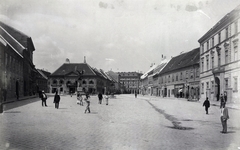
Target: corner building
[[219, 58], [17, 71]]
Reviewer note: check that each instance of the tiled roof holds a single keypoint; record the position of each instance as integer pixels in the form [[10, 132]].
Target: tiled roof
[[18, 40], [229, 17], [42, 74], [70, 67], [150, 71], [183, 60]]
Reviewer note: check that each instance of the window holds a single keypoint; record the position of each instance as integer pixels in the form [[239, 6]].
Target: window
[[202, 64], [219, 58], [91, 82], [212, 60], [226, 83], [219, 37], [212, 41], [207, 85], [169, 78], [54, 81], [226, 32], [236, 27], [202, 88], [84, 82], [202, 47], [226, 56], [61, 82], [172, 77], [186, 74], [181, 76], [176, 77], [235, 43], [207, 45], [235, 84], [207, 61]]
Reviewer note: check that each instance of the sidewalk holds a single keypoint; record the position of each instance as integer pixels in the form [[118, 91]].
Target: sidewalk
[[230, 105]]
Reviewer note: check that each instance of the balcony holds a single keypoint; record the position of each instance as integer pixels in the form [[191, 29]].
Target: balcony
[[218, 70]]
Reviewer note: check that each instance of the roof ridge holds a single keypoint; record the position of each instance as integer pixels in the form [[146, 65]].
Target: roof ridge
[[12, 36]]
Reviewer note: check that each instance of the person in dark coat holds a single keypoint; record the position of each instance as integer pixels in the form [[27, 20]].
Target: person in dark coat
[[222, 100], [44, 99], [225, 96], [206, 104], [100, 97], [56, 100]]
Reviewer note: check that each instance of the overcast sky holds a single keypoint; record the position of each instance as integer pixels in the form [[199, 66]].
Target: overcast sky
[[118, 35]]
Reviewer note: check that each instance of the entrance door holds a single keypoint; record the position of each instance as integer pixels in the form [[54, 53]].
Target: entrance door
[[217, 88]]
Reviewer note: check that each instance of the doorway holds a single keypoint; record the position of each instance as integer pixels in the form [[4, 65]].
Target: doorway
[[217, 88]]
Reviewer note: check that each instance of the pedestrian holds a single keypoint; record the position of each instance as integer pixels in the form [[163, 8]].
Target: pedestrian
[[221, 100], [224, 117], [225, 96], [79, 99], [135, 94], [100, 97], [44, 99], [206, 104], [56, 100], [87, 100], [106, 98]]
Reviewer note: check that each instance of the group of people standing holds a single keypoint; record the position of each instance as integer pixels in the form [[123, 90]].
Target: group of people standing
[[44, 98], [100, 98], [224, 116]]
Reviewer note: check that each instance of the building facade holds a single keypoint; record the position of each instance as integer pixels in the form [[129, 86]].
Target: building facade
[[220, 58], [66, 79], [42, 81], [17, 71], [130, 80], [180, 77]]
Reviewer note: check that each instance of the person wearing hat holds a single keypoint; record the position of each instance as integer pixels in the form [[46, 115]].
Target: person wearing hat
[[224, 117], [44, 99]]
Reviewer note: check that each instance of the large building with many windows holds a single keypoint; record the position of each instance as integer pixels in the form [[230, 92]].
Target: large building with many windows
[[220, 58], [17, 71], [130, 80]]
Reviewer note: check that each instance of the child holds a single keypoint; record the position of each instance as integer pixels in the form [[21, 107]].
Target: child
[[206, 104], [88, 103]]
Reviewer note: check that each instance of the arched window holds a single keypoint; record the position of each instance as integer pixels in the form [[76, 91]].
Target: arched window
[[61, 82], [91, 82], [84, 82], [54, 81]]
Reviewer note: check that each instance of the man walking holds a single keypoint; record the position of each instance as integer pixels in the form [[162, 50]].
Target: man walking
[[44, 99], [206, 104]]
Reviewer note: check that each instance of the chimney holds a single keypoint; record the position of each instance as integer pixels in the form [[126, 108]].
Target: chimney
[[84, 60]]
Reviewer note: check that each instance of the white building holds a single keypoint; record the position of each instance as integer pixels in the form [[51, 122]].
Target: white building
[[219, 58]]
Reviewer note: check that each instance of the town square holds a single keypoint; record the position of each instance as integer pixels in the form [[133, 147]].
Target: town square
[[119, 74]]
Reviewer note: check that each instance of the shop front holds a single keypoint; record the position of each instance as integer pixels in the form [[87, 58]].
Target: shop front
[[179, 90]]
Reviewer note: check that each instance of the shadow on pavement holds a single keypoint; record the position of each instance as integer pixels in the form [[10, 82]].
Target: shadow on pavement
[[9, 106]]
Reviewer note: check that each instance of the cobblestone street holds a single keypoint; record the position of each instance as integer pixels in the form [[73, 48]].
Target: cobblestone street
[[126, 123]]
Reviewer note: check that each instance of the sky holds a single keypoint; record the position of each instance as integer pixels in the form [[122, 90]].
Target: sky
[[117, 35]]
